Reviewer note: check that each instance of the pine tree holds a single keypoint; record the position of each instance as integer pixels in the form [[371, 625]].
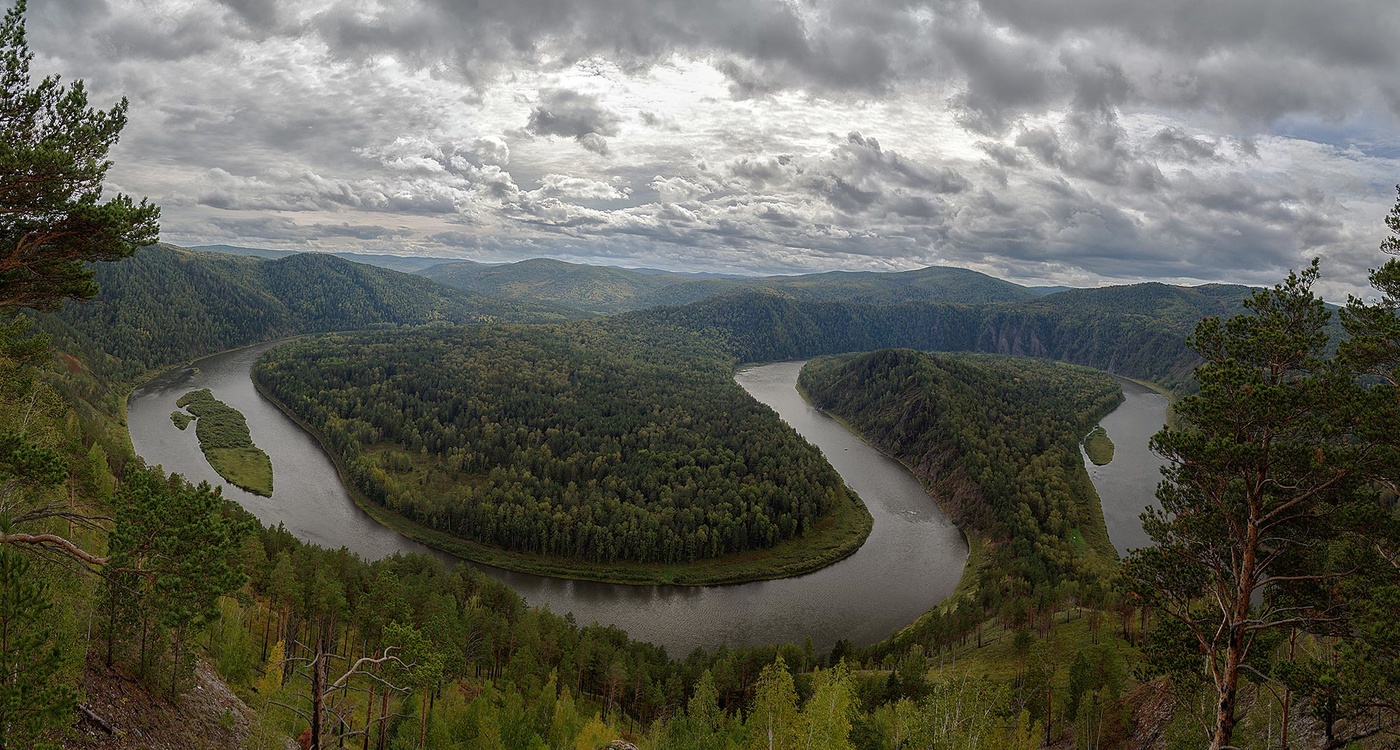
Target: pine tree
[[1266, 476], [53, 158], [33, 697]]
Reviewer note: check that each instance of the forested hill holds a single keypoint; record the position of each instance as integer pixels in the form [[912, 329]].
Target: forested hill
[[586, 445], [766, 326], [996, 438], [168, 304], [605, 289], [1180, 305], [932, 284], [597, 289]]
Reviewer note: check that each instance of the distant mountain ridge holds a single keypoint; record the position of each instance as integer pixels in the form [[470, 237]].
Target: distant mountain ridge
[[607, 289], [168, 304], [401, 263], [1107, 329]]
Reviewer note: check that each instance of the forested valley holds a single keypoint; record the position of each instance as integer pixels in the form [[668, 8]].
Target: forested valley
[[1033, 619], [132, 601]]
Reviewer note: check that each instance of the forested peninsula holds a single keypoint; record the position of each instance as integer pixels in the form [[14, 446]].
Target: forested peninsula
[[585, 450], [996, 441]]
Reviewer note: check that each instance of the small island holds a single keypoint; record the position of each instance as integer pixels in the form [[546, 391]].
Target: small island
[[1098, 447], [181, 419], [224, 438]]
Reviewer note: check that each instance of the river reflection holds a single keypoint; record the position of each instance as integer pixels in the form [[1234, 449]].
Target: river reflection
[[912, 560], [1128, 484]]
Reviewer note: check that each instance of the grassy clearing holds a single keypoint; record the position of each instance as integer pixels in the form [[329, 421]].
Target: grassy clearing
[[228, 446], [999, 659], [1098, 446]]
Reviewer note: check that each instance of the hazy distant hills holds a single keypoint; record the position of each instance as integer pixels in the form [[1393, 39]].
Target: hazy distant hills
[[168, 304], [932, 284], [594, 289], [605, 289], [401, 263]]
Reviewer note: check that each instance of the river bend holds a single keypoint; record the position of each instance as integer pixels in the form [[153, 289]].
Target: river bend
[[911, 561]]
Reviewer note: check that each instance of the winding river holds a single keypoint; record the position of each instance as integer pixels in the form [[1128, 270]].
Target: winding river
[[911, 561], [1128, 484]]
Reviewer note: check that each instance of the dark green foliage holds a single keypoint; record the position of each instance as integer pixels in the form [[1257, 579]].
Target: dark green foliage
[[996, 438], [1266, 515], [765, 326], [172, 556], [53, 158], [167, 305], [219, 425], [587, 441], [181, 419], [33, 698]]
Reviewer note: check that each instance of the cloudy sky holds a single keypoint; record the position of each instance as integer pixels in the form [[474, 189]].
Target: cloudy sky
[[1043, 141]]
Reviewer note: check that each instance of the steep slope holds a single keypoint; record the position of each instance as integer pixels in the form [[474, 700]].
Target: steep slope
[[168, 304], [1096, 328]]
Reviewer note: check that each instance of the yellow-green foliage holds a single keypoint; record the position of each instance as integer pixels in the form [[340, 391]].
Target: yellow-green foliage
[[1098, 446], [224, 438]]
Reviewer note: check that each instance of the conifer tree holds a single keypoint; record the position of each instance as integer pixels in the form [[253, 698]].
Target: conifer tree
[[53, 158], [33, 697], [1265, 485]]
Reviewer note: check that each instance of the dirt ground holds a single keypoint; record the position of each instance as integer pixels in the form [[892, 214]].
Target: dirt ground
[[207, 716]]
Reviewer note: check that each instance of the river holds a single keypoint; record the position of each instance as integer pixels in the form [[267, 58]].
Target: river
[[1128, 484], [911, 561]]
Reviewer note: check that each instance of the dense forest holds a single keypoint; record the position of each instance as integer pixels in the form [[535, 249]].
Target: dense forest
[[996, 440], [167, 304], [586, 440], [607, 289], [766, 326]]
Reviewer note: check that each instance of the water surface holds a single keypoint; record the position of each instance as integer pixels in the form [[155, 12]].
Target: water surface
[[911, 561], [1128, 484]]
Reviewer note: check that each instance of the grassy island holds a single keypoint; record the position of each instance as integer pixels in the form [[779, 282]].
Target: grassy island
[[1098, 447], [224, 438], [181, 419]]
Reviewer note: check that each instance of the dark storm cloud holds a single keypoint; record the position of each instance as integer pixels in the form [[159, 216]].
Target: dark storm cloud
[[1176, 143], [1106, 138], [261, 15], [570, 114]]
